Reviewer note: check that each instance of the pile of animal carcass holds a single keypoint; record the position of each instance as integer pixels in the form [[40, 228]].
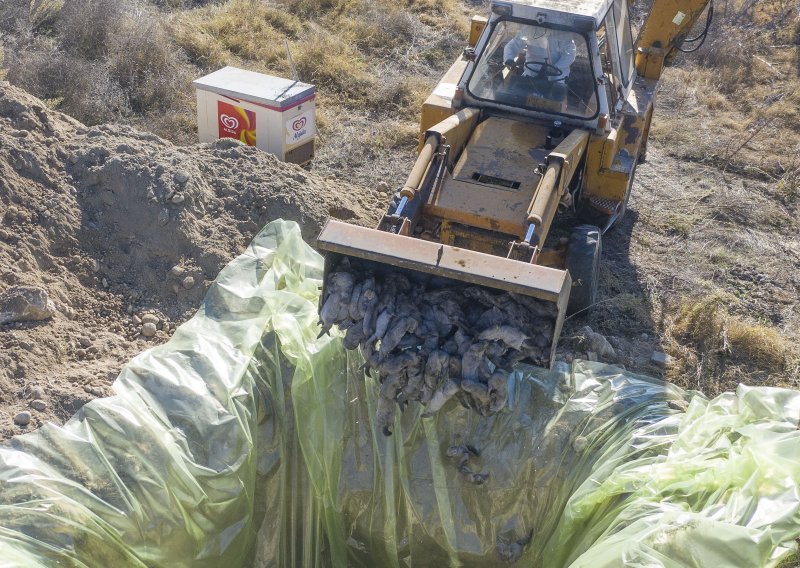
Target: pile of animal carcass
[[431, 339]]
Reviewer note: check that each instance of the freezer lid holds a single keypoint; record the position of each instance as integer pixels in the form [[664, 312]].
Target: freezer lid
[[256, 87]]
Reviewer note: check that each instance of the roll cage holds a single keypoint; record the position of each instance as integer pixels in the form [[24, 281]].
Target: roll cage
[[608, 64]]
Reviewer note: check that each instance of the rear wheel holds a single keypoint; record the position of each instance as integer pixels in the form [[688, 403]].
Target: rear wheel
[[583, 262]]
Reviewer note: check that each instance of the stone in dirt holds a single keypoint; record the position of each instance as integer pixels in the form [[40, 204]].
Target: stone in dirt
[[188, 282], [149, 329], [596, 343], [25, 303], [661, 360], [39, 405], [150, 318], [23, 418]]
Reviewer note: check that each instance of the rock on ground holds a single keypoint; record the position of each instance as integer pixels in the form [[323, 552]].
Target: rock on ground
[[25, 303], [596, 343], [23, 418]]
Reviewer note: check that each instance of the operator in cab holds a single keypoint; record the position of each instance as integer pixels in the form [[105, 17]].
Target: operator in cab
[[548, 56]]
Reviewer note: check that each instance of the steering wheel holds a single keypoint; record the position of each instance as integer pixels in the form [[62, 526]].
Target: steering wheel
[[545, 69]]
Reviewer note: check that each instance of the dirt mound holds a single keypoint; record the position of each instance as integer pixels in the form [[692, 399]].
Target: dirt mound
[[124, 231]]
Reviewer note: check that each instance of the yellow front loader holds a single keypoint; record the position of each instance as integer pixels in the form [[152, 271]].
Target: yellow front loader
[[548, 109]]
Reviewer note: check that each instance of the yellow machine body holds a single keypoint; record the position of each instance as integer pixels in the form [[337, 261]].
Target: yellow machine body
[[482, 196]]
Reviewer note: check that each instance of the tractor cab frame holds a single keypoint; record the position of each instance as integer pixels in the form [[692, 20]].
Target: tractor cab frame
[[600, 76]]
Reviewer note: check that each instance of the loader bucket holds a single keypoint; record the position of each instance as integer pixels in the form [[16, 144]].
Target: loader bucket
[[384, 249]]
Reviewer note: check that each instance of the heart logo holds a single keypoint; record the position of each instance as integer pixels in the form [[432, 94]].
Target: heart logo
[[299, 124], [229, 121]]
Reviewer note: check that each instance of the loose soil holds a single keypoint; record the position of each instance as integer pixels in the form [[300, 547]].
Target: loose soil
[[119, 226]]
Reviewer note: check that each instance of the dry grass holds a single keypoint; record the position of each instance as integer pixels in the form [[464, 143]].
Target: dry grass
[[376, 59], [716, 350], [735, 103]]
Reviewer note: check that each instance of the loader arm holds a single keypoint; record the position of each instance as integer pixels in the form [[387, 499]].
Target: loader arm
[[663, 32]]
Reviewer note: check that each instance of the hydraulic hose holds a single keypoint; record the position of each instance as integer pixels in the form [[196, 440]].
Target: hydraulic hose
[[702, 36]]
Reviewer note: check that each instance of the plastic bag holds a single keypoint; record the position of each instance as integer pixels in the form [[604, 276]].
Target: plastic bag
[[247, 441], [164, 473]]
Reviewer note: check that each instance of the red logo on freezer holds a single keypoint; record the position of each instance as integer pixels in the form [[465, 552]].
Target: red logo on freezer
[[236, 122], [299, 124], [230, 123]]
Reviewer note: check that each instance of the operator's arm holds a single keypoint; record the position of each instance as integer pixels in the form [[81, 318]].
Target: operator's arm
[[566, 57], [512, 49]]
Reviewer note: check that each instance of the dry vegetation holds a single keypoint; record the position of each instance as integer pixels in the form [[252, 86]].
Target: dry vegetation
[[717, 350], [133, 61], [736, 102], [735, 105], [732, 109]]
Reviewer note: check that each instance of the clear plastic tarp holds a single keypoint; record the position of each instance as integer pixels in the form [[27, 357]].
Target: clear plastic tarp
[[247, 441]]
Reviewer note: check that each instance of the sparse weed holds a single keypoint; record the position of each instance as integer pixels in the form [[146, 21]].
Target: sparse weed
[[721, 257], [86, 27], [678, 224], [789, 183], [396, 135], [715, 349]]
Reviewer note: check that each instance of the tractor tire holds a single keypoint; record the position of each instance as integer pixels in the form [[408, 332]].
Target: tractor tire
[[583, 263]]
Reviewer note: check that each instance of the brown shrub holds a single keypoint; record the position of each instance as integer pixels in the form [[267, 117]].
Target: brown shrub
[[145, 64], [28, 16], [78, 87], [716, 349], [86, 27]]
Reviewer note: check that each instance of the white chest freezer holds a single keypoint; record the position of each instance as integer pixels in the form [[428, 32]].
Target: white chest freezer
[[273, 114]]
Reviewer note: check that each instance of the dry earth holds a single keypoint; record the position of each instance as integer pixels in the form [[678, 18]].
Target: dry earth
[[692, 233], [122, 229]]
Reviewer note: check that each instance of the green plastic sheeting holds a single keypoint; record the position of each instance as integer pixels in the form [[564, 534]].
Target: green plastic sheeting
[[247, 441]]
